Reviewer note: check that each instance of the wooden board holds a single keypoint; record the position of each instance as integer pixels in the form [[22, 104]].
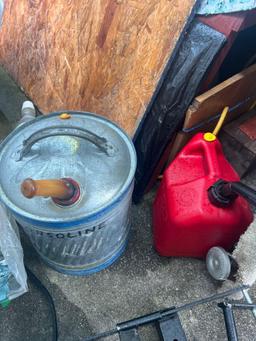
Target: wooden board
[[238, 92], [104, 56]]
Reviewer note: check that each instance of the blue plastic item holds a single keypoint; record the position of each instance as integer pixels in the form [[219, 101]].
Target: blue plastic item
[[4, 278]]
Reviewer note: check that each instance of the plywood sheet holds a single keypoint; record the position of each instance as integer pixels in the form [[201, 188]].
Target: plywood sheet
[[104, 56]]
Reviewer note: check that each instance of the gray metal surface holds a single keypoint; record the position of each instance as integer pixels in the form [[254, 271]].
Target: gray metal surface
[[138, 283], [218, 263], [129, 335], [170, 329], [100, 157], [87, 247], [102, 177]]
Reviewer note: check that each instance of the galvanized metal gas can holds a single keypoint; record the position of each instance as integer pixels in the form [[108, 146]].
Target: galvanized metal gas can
[[92, 232]]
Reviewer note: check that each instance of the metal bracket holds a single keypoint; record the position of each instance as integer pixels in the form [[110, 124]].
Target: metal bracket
[[170, 329], [129, 335]]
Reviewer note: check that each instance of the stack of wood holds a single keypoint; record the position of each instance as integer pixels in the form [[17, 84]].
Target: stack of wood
[[237, 92]]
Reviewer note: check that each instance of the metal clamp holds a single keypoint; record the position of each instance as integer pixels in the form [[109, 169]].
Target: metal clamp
[[41, 134]]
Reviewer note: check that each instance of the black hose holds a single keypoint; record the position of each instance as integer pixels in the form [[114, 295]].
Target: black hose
[[36, 281]]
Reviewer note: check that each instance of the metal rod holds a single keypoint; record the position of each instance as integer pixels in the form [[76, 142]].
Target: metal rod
[[229, 321], [242, 305], [210, 298], [139, 321], [249, 300]]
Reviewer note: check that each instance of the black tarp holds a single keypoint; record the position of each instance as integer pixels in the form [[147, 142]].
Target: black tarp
[[165, 114]]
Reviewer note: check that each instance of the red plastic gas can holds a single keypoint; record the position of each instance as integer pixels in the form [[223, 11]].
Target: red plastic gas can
[[185, 222]]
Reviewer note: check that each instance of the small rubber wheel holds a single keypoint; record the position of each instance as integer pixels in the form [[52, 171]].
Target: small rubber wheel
[[218, 263]]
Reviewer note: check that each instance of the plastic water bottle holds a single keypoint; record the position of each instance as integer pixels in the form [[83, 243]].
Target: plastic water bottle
[[4, 279], [28, 112]]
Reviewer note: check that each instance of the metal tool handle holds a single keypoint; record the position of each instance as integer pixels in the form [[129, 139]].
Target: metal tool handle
[[41, 134], [56, 188], [64, 192], [142, 320], [229, 321]]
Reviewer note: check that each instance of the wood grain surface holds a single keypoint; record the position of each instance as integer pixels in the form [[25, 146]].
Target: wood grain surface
[[237, 92], [104, 56]]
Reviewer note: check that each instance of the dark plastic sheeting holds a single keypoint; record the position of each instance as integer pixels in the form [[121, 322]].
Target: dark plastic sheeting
[[166, 114]]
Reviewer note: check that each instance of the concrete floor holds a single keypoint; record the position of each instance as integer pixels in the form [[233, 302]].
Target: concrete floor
[[138, 283]]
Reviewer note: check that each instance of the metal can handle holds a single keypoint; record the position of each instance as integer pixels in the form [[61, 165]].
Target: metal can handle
[[100, 142]]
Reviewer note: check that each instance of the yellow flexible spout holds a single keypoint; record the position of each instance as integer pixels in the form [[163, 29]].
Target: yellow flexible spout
[[221, 120]]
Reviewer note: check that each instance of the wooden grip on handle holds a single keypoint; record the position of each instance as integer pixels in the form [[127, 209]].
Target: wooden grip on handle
[[55, 188]]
